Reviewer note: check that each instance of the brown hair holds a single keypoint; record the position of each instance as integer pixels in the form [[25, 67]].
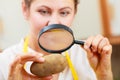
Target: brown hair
[[28, 3]]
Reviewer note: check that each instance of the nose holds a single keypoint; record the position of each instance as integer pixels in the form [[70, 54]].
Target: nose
[[54, 20]]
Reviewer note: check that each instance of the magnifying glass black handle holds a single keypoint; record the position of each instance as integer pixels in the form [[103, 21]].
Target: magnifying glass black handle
[[79, 42]]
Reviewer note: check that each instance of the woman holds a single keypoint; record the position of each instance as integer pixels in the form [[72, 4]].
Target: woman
[[92, 61]]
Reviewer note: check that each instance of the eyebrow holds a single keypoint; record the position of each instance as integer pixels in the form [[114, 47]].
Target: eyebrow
[[60, 8], [44, 6], [66, 8]]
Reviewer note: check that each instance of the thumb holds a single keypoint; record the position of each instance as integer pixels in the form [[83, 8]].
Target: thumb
[[33, 77]]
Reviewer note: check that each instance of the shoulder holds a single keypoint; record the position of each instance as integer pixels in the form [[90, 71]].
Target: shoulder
[[8, 54], [12, 50]]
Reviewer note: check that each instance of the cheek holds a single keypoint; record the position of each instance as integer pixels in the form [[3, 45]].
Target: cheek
[[68, 21], [37, 22]]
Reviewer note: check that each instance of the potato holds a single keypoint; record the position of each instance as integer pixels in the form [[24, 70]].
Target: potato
[[54, 63]]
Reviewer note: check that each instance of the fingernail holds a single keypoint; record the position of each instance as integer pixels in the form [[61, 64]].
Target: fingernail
[[40, 54], [42, 59], [50, 77], [94, 50]]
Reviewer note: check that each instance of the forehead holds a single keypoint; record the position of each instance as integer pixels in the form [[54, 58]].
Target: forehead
[[53, 3]]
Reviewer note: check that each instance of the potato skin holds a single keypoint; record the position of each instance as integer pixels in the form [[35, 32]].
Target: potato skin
[[54, 63]]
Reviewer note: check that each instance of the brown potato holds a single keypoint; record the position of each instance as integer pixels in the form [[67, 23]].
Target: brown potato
[[54, 63]]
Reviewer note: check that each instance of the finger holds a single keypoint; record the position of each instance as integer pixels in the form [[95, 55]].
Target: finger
[[95, 43], [36, 57], [107, 49], [103, 43], [38, 78], [15, 63], [29, 76], [88, 42], [87, 45], [23, 58], [15, 68], [47, 78]]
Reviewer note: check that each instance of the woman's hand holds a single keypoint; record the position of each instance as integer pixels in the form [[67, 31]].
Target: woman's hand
[[99, 52], [17, 71]]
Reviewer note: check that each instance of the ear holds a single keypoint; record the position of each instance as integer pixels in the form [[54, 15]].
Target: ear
[[25, 10]]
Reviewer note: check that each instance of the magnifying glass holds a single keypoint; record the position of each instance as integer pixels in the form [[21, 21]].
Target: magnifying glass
[[57, 38]]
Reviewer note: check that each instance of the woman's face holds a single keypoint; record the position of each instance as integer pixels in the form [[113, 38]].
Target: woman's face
[[45, 12]]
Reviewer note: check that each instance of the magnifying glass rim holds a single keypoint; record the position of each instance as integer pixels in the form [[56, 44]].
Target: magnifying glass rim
[[55, 26]]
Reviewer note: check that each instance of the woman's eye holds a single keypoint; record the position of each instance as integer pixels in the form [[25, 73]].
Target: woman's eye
[[64, 13], [44, 12]]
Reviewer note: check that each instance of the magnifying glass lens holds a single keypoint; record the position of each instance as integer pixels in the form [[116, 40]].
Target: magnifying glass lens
[[56, 39]]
